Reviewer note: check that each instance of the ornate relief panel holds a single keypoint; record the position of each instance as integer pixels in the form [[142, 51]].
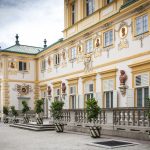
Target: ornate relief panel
[[23, 89]]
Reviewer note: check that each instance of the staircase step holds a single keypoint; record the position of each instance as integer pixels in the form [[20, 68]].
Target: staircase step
[[34, 127]]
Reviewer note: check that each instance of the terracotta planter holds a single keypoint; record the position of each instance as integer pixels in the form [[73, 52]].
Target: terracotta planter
[[95, 131], [59, 127]]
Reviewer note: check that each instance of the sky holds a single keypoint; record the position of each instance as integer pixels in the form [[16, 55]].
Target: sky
[[32, 20]]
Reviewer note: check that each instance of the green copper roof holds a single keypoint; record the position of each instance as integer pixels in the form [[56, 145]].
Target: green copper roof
[[23, 49]]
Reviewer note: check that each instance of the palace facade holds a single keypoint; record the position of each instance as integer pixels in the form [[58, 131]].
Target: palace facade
[[105, 53]]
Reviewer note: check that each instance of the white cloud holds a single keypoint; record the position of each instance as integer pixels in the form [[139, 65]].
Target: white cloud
[[33, 20]]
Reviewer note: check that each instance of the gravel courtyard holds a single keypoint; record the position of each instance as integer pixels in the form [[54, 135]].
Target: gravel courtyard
[[18, 139]]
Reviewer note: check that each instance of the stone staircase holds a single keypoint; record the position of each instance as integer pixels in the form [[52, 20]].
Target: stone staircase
[[34, 127]]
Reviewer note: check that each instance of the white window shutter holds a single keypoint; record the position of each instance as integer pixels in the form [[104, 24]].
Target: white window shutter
[[145, 79], [105, 85], [115, 99], [111, 84], [130, 97], [81, 101]]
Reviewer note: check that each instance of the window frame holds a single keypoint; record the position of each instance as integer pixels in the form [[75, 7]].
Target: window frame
[[87, 9], [104, 38], [73, 13], [134, 35], [71, 52], [23, 63], [141, 18], [43, 65], [56, 59], [88, 47]]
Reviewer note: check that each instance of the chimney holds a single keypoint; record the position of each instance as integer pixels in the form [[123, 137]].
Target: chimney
[[17, 37], [45, 43]]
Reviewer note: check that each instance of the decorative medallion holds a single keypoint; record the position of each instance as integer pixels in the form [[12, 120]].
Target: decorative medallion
[[23, 89], [123, 31], [97, 43]]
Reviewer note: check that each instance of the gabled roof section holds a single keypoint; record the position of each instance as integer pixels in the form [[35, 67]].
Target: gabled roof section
[[23, 49]]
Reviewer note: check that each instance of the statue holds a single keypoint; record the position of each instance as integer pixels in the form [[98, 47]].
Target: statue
[[49, 90], [63, 88], [123, 77], [87, 63]]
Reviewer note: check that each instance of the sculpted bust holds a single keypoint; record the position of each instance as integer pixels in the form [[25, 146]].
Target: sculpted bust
[[63, 88], [49, 90], [123, 77]]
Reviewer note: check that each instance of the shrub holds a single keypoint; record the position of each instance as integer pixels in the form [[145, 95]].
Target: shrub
[[92, 109], [38, 106], [56, 109], [5, 110], [14, 111], [25, 108]]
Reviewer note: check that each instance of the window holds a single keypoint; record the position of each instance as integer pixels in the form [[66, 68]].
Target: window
[[43, 65], [56, 59], [89, 46], [109, 99], [109, 1], [141, 24], [142, 89], [57, 94], [22, 66], [142, 93], [108, 38], [89, 7], [73, 97], [89, 91], [73, 9], [73, 53], [109, 93]]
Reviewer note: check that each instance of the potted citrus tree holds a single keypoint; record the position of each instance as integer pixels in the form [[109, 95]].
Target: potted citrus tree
[[57, 111], [92, 110], [39, 110], [5, 112], [25, 109], [14, 113]]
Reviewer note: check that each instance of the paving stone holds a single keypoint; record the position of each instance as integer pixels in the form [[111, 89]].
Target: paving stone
[[19, 139]]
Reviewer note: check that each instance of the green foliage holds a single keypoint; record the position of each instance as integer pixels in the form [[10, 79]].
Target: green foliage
[[14, 111], [5, 110], [56, 109], [25, 108], [148, 105], [38, 106], [92, 109]]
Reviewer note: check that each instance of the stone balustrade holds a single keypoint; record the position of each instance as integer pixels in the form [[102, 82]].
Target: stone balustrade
[[117, 118]]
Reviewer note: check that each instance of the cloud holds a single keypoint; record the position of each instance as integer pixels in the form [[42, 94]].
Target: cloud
[[33, 20]]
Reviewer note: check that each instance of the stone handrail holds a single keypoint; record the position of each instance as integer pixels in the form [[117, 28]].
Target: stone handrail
[[115, 117]]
